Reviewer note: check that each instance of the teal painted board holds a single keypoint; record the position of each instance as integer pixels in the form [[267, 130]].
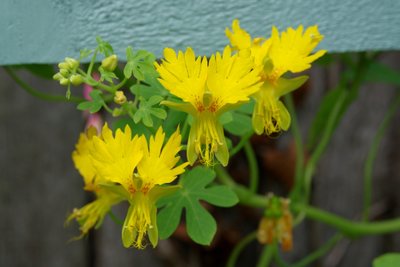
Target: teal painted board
[[45, 31]]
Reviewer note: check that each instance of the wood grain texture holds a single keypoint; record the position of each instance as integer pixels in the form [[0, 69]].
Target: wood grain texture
[[38, 184], [46, 31]]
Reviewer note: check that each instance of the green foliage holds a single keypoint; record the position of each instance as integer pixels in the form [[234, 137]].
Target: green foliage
[[387, 260], [240, 124], [201, 226], [95, 104], [107, 75], [104, 47], [84, 53], [146, 111], [139, 64]]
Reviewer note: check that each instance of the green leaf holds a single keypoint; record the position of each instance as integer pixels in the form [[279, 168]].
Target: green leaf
[[107, 75], [247, 108], [128, 70], [240, 124], [84, 53], [137, 129], [159, 113], [387, 260], [95, 104], [225, 118], [104, 47], [173, 120], [154, 100], [201, 226]]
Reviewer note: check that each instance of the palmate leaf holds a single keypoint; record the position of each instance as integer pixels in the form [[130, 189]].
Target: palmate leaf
[[95, 104], [195, 186], [387, 260], [146, 111]]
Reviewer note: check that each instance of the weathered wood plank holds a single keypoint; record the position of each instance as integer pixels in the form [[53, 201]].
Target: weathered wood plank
[[338, 183], [38, 184], [46, 31]]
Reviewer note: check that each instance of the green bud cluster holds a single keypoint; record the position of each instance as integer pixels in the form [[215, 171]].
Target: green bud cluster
[[67, 74]]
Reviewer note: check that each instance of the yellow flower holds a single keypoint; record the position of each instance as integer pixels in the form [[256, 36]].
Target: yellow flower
[[208, 90], [274, 57], [92, 214], [137, 170], [81, 158]]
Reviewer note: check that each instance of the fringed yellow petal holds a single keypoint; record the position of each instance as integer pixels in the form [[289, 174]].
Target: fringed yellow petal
[[291, 51], [183, 75], [231, 78], [158, 163], [238, 37], [82, 160], [92, 215], [115, 158]]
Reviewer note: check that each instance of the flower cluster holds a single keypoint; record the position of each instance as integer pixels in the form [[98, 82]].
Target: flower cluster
[[208, 89], [281, 53], [137, 169], [121, 167]]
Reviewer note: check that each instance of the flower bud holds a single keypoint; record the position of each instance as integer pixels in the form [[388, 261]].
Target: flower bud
[[58, 76], [63, 65], [119, 97], [72, 63], [117, 112], [64, 72], [76, 79], [110, 63], [64, 81]]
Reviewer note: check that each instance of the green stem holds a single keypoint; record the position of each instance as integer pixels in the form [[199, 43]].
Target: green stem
[[246, 197], [241, 143], [368, 168], [253, 167], [348, 227], [334, 116], [298, 179], [267, 255], [321, 251], [316, 155], [38, 94], [115, 219], [239, 248], [90, 68], [185, 129], [106, 107]]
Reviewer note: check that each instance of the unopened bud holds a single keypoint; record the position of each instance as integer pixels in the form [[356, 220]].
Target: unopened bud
[[76, 79], [58, 76], [64, 81], [119, 97], [72, 63], [64, 72], [110, 63], [63, 65], [117, 112]]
